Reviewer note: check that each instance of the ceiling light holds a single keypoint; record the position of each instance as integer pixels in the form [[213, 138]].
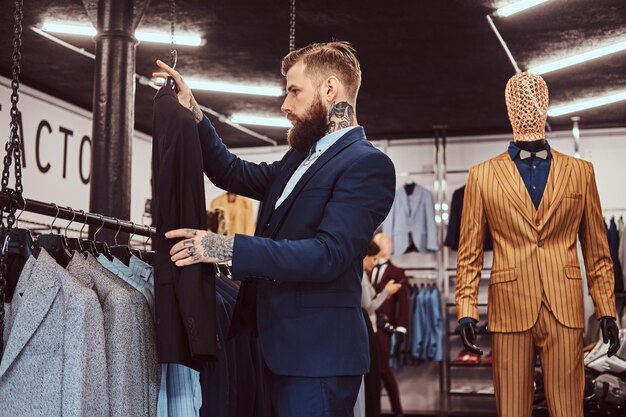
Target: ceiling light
[[577, 59], [246, 119], [88, 30], [587, 104], [224, 87], [518, 6]]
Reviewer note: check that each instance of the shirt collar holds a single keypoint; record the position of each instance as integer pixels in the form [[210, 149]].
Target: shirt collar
[[514, 150], [330, 139]]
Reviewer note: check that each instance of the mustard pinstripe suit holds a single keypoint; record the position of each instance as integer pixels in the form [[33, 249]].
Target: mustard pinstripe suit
[[535, 288]]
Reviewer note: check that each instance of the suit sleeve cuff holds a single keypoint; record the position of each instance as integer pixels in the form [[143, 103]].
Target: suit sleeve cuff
[[467, 320]]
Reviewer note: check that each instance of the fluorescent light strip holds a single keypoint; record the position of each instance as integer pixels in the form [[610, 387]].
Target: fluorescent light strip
[[577, 59], [517, 7], [235, 88], [586, 104], [223, 87], [246, 119], [84, 30]]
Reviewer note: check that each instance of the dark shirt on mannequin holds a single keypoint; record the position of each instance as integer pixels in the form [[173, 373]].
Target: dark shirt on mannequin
[[533, 170]]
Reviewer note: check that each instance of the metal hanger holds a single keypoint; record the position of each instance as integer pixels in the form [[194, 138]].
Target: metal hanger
[[87, 244], [55, 245], [20, 240], [121, 252], [135, 252], [73, 243], [102, 247]]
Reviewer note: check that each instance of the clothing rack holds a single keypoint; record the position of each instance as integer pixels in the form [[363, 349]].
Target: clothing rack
[[80, 216]]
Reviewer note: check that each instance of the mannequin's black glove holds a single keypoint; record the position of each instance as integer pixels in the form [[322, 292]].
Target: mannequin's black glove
[[400, 336], [468, 336], [610, 333], [383, 323]]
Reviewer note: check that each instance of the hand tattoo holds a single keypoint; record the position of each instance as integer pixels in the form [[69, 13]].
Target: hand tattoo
[[195, 109], [192, 232], [216, 246]]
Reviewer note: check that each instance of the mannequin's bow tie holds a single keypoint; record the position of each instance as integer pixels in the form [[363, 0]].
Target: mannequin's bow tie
[[541, 154]]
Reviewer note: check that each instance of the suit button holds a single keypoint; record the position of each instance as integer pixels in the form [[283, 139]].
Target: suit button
[[538, 222], [540, 243]]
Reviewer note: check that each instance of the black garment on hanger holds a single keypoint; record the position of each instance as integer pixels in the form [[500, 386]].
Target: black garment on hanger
[[454, 225], [185, 297], [409, 187]]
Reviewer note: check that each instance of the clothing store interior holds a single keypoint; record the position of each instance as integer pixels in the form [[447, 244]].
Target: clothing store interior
[[485, 278]]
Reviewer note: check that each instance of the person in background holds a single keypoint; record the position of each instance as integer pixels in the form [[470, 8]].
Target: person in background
[[392, 316], [370, 300], [368, 401]]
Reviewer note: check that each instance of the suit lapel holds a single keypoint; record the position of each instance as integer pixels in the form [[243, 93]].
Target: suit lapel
[[557, 183], [345, 141], [291, 164], [39, 289], [507, 175]]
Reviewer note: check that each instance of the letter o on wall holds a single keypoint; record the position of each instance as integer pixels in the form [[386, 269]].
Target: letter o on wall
[[83, 178]]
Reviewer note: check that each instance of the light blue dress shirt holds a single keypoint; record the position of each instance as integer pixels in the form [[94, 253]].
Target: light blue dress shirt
[[320, 147]]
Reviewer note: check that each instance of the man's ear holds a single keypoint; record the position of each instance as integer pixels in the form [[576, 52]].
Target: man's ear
[[330, 89]]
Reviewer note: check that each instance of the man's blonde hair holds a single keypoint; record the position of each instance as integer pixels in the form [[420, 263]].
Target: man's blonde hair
[[323, 60]]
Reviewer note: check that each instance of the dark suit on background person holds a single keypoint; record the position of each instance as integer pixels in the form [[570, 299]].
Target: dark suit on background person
[[396, 310], [303, 268]]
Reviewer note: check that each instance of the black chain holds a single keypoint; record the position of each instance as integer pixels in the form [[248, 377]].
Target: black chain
[[173, 55], [292, 26], [13, 151]]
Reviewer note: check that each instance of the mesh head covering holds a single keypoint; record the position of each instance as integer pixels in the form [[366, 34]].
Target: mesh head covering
[[527, 102]]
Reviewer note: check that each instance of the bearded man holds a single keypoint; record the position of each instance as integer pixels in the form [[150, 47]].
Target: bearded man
[[301, 272]]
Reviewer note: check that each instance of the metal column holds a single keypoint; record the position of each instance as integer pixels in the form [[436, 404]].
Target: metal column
[[113, 107]]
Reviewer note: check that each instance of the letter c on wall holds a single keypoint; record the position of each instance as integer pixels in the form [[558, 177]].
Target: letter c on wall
[[42, 124]]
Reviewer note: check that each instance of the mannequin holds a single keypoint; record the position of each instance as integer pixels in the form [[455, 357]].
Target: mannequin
[[536, 202], [392, 315]]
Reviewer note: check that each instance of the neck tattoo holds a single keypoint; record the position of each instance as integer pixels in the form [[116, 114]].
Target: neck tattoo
[[341, 115]]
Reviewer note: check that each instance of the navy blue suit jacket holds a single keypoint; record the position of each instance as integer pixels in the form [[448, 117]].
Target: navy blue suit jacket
[[302, 271]]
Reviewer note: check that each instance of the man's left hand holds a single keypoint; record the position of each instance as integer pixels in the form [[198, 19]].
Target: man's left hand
[[610, 334], [199, 246]]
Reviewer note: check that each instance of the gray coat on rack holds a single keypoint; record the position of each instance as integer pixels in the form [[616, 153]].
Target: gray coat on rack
[[54, 362], [414, 214], [133, 368]]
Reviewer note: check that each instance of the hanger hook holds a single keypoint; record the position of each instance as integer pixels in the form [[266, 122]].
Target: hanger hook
[[133, 234], [119, 227], [84, 223], [21, 212], [145, 244], [55, 217], [71, 221], [99, 228]]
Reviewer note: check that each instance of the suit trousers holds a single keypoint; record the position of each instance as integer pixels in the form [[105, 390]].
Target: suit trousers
[[293, 396], [386, 373], [560, 349]]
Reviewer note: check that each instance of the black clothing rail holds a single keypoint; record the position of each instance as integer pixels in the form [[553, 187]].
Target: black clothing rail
[[79, 216]]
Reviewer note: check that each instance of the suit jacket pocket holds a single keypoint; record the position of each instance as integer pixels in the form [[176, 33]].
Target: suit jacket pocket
[[578, 196], [330, 299], [502, 275], [572, 272]]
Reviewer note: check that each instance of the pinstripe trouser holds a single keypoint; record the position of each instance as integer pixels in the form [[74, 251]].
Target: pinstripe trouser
[[561, 351]]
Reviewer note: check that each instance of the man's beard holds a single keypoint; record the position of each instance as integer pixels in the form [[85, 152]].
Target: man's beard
[[311, 128]]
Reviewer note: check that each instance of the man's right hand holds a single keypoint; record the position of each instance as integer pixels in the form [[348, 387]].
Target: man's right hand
[[467, 331], [185, 96]]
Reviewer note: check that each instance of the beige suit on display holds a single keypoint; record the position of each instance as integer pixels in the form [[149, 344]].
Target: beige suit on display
[[535, 288]]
